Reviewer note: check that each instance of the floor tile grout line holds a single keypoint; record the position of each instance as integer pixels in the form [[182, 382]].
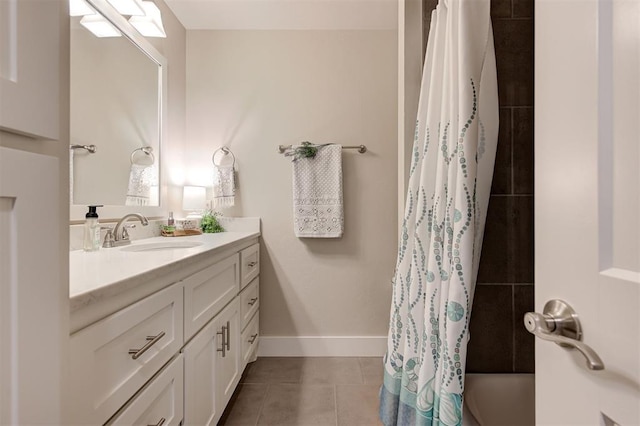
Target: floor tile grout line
[[264, 400], [335, 402]]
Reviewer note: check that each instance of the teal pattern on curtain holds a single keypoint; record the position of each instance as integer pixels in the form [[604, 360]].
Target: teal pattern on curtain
[[441, 237]]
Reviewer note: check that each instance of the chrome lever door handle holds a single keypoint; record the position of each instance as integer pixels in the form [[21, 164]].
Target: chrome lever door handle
[[560, 324]]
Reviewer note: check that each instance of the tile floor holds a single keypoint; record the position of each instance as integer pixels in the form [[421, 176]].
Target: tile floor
[[307, 391]]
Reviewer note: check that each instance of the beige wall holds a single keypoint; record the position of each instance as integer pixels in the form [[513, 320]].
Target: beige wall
[[254, 90]]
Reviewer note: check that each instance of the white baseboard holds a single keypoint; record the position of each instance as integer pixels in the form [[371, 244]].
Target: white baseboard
[[322, 346]]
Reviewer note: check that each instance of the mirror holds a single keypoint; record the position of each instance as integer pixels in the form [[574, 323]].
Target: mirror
[[116, 96]]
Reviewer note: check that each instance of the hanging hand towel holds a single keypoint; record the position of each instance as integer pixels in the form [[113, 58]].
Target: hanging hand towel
[[140, 180], [317, 194], [224, 185]]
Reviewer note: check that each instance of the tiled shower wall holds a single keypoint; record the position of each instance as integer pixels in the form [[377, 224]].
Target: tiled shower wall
[[499, 342]]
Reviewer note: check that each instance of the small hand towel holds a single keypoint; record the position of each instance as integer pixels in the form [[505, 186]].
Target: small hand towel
[[317, 194], [224, 185], [140, 180]]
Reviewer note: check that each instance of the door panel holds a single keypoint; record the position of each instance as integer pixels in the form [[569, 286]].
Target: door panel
[[587, 205]]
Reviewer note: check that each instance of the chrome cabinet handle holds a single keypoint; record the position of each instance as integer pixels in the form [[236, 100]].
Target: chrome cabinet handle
[[252, 264], [560, 324], [160, 423], [223, 334], [152, 340], [252, 301], [253, 338], [228, 339]]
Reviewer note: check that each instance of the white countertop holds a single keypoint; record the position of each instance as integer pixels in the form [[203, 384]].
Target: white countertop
[[96, 275]]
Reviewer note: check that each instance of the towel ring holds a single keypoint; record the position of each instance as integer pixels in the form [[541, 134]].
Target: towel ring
[[225, 151], [147, 150]]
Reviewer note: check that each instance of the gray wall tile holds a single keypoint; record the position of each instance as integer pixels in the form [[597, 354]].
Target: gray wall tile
[[490, 349], [502, 170], [524, 360], [523, 150]]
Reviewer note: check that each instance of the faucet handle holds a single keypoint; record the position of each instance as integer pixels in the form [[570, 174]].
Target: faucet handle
[[125, 233], [108, 237]]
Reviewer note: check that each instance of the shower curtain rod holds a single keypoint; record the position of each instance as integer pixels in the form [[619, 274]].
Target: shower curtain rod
[[361, 148]]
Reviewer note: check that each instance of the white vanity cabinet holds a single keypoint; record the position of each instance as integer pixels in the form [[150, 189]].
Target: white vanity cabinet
[[175, 356]]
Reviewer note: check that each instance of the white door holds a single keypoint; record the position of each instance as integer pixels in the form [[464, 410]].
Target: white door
[[587, 214]]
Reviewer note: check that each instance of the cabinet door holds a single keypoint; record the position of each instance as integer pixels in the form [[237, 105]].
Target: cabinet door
[[229, 361], [33, 333], [31, 38], [159, 403], [211, 367]]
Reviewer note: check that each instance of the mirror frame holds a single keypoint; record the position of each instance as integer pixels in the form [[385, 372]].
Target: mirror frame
[[77, 211]]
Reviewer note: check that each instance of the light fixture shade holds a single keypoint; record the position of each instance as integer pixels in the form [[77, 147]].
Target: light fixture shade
[[99, 26], [128, 7], [80, 8], [149, 25], [194, 198]]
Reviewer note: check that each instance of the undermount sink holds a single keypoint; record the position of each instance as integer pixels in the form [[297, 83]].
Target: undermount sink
[[169, 245]]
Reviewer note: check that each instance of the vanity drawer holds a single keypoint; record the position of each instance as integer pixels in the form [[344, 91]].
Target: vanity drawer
[[249, 301], [160, 402], [208, 291], [104, 374], [250, 337], [250, 261]]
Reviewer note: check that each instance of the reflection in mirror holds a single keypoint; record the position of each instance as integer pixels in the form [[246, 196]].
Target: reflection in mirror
[[115, 105]]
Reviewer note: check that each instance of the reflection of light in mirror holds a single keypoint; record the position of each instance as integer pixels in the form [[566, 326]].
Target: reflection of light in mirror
[[149, 25], [80, 8], [176, 175], [127, 7], [200, 176], [99, 26]]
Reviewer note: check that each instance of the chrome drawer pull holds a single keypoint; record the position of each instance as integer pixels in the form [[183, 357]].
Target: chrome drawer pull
[[228, 339], [160, 423], [252, 264], [252, 301], [223, 334], [253, 338], [152, 340]]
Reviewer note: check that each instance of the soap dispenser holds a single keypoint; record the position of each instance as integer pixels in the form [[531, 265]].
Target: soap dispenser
[[91, 230]]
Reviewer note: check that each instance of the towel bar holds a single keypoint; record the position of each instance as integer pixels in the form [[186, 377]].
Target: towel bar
[[361, 148]]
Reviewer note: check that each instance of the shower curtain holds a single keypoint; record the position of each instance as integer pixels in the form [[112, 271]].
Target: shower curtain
[[441, 237]]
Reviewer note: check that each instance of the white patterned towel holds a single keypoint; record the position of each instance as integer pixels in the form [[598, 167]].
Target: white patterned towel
[[317, 194], [224, 186], [140, 181]]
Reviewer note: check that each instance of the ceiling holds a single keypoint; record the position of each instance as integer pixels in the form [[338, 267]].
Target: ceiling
[[286, 14]]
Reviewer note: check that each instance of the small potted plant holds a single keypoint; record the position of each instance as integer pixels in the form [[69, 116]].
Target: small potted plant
[[209, 222]]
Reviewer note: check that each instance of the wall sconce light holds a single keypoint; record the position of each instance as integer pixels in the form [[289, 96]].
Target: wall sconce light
[[145, 17], [80, 8], [149, 25], [127, 7], [194, 200], [99, 26]]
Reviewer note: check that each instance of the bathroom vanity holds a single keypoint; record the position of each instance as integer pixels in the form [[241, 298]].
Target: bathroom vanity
[[162, 329]]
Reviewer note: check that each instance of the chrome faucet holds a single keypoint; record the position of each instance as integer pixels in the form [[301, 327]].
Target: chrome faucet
[[115, 237]]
